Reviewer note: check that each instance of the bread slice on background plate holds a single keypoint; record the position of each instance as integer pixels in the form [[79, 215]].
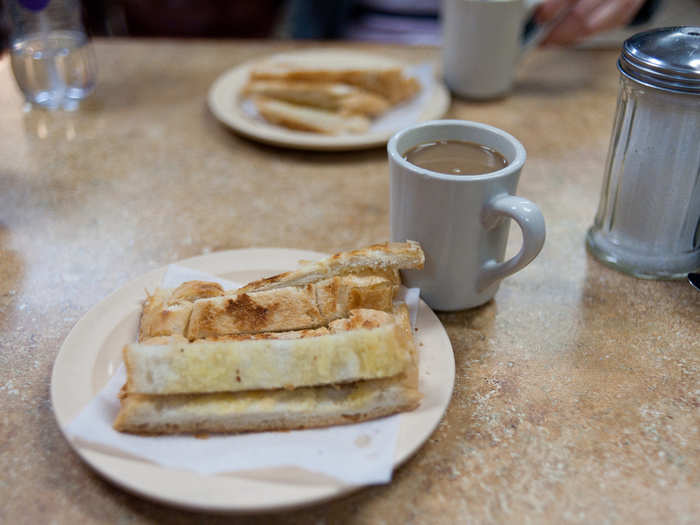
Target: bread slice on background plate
[[304, 118], [331, 96], [366, 72]]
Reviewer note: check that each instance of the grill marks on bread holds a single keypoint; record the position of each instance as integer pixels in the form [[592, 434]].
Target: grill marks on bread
[[248, 311], [362, 382], [168, 313], [282, 409], [160, 318], [281, 309], [379, 259], [292, 308], [312, 296]]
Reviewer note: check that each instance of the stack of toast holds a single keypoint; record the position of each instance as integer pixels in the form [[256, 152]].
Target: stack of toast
[[340, 94], [325, 344]]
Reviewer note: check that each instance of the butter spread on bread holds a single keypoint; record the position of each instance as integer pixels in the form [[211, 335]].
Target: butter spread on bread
[[369, 345], [262, 410], [281, 409], [321, 345]]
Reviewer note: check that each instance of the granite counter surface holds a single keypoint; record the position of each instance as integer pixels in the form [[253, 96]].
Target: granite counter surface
[[577, 396]]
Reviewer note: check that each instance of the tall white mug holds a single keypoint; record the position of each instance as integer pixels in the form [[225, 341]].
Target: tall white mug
[[482, 42], [460, 220]]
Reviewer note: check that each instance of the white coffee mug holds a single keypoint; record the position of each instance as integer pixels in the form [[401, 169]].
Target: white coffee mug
[[459, 220], [482, 42]]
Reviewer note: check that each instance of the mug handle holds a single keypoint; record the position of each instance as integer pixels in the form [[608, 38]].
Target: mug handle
[[531, 222]]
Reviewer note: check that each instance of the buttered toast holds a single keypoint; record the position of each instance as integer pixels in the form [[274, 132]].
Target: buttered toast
[[321, 345], [327, 92]]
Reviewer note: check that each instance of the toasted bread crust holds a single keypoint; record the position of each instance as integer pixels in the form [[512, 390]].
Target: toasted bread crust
[[365, 278], [283, 309], [304, 118], [322, 95], [368, 345], [389, 256], [320, 92], [320, 299], [306, 407], [291, 308], [161, 317], [292, 334], [337, 296], [193, 290], [389, 82], [255, 411]]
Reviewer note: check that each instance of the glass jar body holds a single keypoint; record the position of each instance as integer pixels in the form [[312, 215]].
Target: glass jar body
[[648, 219]]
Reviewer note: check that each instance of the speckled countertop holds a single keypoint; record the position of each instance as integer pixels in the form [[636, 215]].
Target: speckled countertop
[[577, 396]]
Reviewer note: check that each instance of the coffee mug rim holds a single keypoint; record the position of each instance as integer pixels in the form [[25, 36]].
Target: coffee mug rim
[[517, 164]]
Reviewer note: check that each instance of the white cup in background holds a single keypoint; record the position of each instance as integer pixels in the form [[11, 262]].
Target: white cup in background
[[482, 42], [459, 220]]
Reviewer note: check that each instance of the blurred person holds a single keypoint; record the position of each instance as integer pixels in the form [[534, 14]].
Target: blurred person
[[417, 21], [585, 18], [397, 21]]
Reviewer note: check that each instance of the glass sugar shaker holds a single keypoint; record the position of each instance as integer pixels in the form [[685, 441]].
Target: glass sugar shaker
[[51, 56], [648, 219]]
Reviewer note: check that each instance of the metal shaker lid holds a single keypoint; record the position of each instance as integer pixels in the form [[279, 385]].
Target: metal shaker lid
[[666, 58]]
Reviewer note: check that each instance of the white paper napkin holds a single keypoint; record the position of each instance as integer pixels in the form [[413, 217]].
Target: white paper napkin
[[362, 453]]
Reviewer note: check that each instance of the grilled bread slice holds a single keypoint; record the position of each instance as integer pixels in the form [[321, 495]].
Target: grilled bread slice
[[367, 345], [383, 259], [371, 74], [262, 410], [282, 309], [310, 297], [167, 312], [304, 118], [290, 307], [343, 98], [257, 411]]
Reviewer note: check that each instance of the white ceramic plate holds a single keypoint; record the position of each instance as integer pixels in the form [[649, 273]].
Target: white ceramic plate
[[226, 103], [92, 352]]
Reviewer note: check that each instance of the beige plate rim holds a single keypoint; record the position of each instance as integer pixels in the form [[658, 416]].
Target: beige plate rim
[[227, 87], [93, 335]]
